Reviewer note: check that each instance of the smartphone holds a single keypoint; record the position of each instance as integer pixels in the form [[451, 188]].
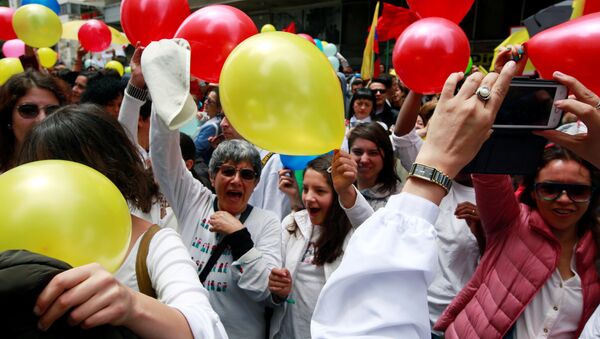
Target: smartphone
[[529, 104]]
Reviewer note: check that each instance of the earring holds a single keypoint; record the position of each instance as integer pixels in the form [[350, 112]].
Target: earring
[[9, 126]]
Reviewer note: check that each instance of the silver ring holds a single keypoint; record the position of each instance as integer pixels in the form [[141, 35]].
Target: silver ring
[[483, 93], [597, 105]]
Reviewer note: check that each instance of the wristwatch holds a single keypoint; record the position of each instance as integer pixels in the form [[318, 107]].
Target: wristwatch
[[432, 175]]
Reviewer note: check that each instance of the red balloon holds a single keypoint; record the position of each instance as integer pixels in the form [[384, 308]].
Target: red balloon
[[94, 36], [6, 28], [152, 20], [428, 51], [307, 37], [454, 10], [213, 32], [571, 47]]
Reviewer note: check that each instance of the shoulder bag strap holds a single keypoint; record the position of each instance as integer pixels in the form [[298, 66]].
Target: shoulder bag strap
[[141, 269]]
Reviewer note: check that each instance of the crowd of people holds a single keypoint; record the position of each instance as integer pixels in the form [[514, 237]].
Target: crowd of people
[[383, 238]]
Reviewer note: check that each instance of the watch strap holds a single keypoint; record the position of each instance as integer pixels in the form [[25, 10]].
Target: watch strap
[[138, 93], [432, 175]]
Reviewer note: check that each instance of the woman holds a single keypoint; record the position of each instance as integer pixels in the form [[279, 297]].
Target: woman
[[314, 239], [90, 294], [25, 100], [362, 108], [540, 255], [372, 150], [238, 280], [210, 128]]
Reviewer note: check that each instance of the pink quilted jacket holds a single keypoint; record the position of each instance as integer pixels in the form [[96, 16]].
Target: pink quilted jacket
[[520, 256]]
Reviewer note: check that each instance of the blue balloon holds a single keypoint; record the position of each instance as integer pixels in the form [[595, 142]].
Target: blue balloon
[[319, 44], [52, 4], [296, 162]]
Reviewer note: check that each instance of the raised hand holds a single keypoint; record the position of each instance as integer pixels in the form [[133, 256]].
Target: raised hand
[[586, 106]]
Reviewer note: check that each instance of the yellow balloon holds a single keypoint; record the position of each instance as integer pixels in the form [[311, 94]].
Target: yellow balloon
[[8, 68], [117, 66], [37, 25], [64, 210], [268, 28], [281, 93], [47, 56]]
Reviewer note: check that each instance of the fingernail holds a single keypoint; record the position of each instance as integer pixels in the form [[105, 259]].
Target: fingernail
[[559, 74], [41, 327], [510, 64], [36, 310]]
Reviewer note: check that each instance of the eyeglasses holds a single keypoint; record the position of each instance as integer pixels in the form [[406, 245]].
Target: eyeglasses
[[378, 91], [230, 171], [209, 101], [31, 111], [551, 191]]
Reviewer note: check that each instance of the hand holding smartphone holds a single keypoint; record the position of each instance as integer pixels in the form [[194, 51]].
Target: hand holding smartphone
[[529, 104]]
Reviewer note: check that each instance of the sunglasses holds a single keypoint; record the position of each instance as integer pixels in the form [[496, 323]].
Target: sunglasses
[[31, 111], [230, 171], [378, 91], [551, 191]]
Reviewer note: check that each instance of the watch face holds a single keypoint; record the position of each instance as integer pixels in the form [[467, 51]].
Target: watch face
[[424, 171]]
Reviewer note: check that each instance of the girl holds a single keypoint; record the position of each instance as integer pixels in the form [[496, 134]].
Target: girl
[[314, 239]]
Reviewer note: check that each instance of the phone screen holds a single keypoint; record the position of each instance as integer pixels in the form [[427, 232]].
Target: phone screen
[[525, 105]]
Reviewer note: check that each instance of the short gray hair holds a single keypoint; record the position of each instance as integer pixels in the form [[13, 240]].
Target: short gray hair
[[236, 151]]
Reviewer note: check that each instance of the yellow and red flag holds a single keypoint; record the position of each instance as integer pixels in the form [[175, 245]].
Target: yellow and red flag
[[367, 69]]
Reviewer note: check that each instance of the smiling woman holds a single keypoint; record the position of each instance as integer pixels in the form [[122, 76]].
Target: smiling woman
[[545, 250]]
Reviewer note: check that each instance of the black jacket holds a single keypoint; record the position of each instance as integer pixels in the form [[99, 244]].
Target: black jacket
[[23, 275]]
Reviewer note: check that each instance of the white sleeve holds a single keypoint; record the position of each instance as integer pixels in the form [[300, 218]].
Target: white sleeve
[[184, 193], [380, 288], [267, 194], [592, 327], [407, 147], [361, 210], [129, 115], [174, 278]]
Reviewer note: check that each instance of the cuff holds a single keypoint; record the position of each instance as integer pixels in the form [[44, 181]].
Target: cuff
[[137, 93], [414, 205], [240, 243]]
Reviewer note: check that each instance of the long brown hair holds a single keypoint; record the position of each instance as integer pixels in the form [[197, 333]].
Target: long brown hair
[[88, 135], [336, 225]]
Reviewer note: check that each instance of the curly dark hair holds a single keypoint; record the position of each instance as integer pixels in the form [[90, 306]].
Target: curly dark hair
[[16, 87], [88, 135]]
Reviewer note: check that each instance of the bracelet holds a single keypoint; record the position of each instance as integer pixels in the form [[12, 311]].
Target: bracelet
[[432, 175], [138, 93]]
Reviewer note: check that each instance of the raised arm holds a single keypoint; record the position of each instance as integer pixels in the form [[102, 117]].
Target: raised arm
[[408, 114], [391, 258]]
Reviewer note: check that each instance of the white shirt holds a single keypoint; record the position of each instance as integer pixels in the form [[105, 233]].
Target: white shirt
[[380, 288], [555, 311], [174, 278], [458, 252], [592, 327]]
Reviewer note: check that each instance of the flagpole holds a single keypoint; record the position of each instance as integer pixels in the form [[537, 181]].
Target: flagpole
[[387, 56]]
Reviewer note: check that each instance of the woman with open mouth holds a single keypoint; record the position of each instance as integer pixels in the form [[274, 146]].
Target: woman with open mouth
[[314, 239]]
